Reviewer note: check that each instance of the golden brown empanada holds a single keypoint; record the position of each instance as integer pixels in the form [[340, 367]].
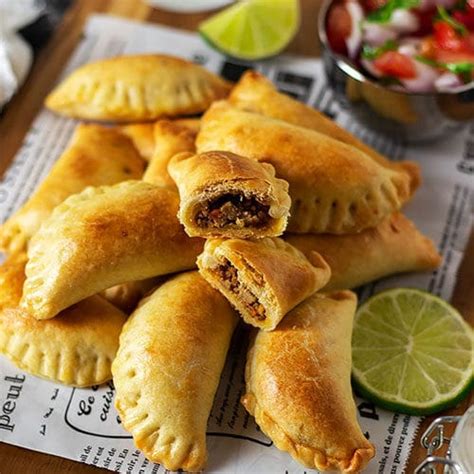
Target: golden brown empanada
[[298, 380], [127, 295], [95, 156], [226, 195], [136, 88], [172, 351], [76, 348], [334, 187], [255, 93], [170, 138], [394, 246], [263, 279], [102, 237], [141, 134]]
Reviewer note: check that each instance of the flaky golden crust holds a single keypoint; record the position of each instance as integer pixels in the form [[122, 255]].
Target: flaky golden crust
[[298, 385], [172, 351], [77, 348], [394, 246], [171, 137], [95, 156], [277, 274], [136, 88], [334, 187], [215, 174], [255, 93], [102, 237]]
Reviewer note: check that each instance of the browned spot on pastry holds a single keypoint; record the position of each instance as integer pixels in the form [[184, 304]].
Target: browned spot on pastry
[[234, 210]]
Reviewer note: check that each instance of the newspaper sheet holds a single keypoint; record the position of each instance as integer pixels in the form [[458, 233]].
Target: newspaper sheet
[[82, 424]]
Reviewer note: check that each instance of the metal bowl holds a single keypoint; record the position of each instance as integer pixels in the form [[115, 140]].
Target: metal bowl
[[408, 116]]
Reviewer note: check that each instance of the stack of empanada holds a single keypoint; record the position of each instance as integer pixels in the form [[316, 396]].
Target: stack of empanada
[[128, 208]]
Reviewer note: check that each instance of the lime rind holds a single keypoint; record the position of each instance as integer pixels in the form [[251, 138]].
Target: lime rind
[[252, 29], [417, 357]]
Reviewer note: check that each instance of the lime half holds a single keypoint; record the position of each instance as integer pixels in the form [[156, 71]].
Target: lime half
[[411, 352], [253, 29]]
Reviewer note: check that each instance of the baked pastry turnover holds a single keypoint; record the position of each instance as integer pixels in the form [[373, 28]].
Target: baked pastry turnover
[[102, 237], [136, 88], [263, 279], [95, 156], [394, 246], [76, 348], [255, 93], [171, 137], [299, 388], [172, 352], [334, 187], [226, 195]]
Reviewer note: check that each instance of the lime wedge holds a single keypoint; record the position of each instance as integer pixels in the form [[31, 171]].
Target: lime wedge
[[412, 352], [253, 29]]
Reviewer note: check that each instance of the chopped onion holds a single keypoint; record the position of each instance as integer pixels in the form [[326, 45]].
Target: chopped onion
[[429, 4], [403, 21], [354, 40], [425, 78], [376, 34], [447, 81]]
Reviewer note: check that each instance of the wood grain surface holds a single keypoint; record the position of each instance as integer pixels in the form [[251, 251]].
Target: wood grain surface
[[17, 118]]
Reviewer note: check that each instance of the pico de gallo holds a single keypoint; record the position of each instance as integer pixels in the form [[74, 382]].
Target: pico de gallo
[[414, 45]]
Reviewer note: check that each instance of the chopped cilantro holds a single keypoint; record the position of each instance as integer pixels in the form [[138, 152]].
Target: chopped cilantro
[[447, 18], [373, 52], [384, 13], [463, 69]]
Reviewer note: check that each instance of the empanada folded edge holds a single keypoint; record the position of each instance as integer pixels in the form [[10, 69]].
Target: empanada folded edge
[[309, 456], [173, 453]]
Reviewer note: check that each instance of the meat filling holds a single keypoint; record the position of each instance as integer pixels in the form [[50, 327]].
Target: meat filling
[[235, 210], [229, 277]]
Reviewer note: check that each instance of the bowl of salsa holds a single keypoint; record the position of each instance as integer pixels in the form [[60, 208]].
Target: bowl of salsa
[[404, 67]]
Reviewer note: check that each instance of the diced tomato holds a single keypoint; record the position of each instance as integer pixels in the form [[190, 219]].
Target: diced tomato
[[446, 37], [395, 64], [371, 5], [338, 28]]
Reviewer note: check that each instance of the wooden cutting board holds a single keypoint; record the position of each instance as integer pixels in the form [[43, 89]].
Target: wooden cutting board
[[20, 113]]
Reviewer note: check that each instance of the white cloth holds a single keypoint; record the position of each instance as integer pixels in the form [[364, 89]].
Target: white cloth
[[16, 55]]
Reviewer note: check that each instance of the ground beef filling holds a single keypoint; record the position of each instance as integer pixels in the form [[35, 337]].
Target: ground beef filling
[[229, 277], [233, 209]]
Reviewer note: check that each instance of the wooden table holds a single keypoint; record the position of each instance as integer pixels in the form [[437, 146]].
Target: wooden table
[[16, 121]]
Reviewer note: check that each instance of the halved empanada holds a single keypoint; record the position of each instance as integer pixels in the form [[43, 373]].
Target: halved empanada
[[171, 137], [127, 295], [334, 187], [95, 156], [172, 351], [394, 246], [136, 88], [263, 279], [298, 380], [102, 237], [76, 348], [226, 195], [255, 93]]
